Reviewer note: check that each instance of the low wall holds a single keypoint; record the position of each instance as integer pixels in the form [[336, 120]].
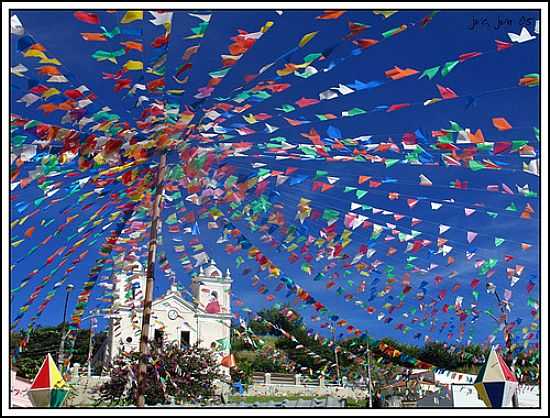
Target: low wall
[[84, 391], [305, 390]]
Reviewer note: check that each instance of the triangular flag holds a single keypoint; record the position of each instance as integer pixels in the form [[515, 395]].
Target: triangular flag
[[16, 27], [501, 124], [132, 15], [498, 241], [446, 93], [501, 45], [448, 67], [443, 228], [425, 181], [430, 72], [306, 38]]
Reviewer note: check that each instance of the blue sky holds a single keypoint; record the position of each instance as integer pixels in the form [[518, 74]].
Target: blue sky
[[443, 40]]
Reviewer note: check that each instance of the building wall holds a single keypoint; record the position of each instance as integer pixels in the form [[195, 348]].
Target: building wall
[[212, 328], [207, 319], [186, 321]]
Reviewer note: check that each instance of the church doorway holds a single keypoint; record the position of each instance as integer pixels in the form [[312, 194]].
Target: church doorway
[[159, 336], [185, 339]]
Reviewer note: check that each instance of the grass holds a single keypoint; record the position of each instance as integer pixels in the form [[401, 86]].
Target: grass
[[253, 399], [357, 403]]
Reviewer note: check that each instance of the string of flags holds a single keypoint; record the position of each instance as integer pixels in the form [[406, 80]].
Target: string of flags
[[422, 249]]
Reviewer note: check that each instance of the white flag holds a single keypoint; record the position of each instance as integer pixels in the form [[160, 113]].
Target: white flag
[[18, 70], [16, 27], [524, 36], [28, 99], [161, 18]]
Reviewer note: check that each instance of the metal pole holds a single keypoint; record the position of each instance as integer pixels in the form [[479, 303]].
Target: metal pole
[[90, 344], [508, 341], [336, 354], [148, 300], [370, 377], [61, 354]]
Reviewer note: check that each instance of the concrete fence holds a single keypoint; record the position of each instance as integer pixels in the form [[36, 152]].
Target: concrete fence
[[259, 378], [279, 384]]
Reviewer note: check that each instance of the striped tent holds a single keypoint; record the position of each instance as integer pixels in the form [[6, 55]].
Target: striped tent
[[495, 383], [48, 388]]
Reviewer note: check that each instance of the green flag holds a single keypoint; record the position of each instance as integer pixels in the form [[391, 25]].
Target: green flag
[[430, 72], [448, 67]]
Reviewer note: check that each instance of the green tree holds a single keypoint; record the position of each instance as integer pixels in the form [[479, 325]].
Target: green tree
[[186, 375], [44, 340]]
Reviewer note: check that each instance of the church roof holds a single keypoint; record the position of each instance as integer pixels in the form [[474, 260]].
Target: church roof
[[175, 295], [213, 271]]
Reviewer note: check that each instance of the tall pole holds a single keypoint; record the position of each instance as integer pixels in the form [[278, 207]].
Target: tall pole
[[336, 354], [508, 341], [90, 345], [61, 354], [148, 300], [369, 373]]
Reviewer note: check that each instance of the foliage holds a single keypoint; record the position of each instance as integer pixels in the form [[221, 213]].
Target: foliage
[[465, 359], [186, 375], [266, 359], [298, 330], [44, 340]]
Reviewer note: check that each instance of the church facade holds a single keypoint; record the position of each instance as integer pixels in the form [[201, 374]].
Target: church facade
[[206, 320]]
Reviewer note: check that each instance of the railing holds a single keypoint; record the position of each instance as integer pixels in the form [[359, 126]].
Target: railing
[[259, 378]]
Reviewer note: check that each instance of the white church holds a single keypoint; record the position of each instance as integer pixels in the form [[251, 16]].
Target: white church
[[206, 320]]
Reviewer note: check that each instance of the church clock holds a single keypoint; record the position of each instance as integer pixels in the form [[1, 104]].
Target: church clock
[[172, 314]]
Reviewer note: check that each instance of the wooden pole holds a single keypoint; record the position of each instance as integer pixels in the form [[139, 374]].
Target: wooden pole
[[150, 283]]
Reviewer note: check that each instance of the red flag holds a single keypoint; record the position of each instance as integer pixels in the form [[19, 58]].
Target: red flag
[[446, 93], [85, 17], [399, 106], [331, 14], [501, 45], [365, 43], [468, 55]]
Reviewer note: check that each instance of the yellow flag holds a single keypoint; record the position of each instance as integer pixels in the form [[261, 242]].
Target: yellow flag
[[250, 119], [132, 15], [47, 60], [16, 243], [133, 65], [306, 38], [266, 27], [385, 13], [50, 92], [34, 53]]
